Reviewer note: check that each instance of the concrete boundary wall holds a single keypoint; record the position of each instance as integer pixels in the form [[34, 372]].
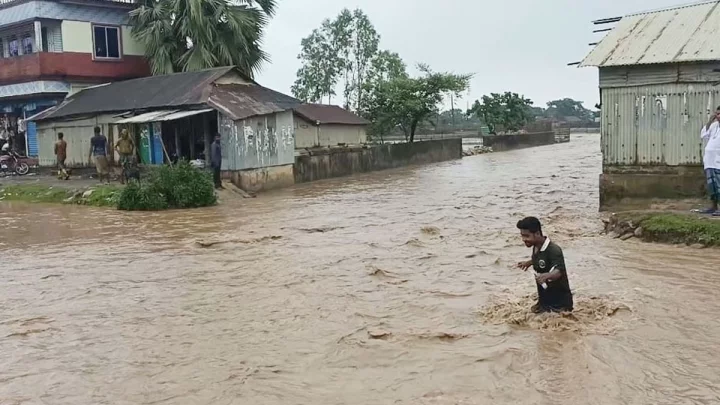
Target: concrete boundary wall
[[325, 163], [518, 141]]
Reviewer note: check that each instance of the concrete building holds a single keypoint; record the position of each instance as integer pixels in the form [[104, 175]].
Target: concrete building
[[176, 116], [52, 48], [659, 81], [328, 125]]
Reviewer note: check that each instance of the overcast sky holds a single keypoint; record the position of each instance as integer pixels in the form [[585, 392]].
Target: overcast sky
[[522, 46]]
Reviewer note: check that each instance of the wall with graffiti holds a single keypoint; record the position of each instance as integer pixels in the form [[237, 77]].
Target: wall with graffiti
[[263, 141]]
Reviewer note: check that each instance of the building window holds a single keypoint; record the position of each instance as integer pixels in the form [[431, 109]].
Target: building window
[[107, 42], [2, 49], [13, 46], [27, 44]]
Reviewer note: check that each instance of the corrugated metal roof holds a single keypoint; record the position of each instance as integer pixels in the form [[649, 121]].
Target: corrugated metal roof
[[152, 116], [682, 34], [175, 90], [240, 101], [329, 114], [183, 114]]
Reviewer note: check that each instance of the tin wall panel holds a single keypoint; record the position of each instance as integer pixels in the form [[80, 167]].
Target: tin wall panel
[[656, 125], [262, 141]]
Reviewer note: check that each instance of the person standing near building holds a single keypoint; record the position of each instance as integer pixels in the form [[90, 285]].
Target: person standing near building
[[711, 161], [61, 155], [126, 148], [216, 161], [98, 152]]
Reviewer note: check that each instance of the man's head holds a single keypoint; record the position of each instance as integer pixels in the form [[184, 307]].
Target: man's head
[[217, 138], [530, 231], [61, 135], [717, 113], [97, 130], [124, 134]]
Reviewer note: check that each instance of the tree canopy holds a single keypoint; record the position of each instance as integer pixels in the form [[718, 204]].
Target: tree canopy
[[189, 35], [508, 111], [408, 102]]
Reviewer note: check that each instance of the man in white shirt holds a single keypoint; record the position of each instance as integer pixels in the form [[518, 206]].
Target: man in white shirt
[[711, 160]]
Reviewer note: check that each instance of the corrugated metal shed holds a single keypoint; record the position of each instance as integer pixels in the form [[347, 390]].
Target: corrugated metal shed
[[329, 114], [682, 34], [656, 125]]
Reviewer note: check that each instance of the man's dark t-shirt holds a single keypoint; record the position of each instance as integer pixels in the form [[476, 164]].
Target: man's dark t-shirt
[[557, 295]]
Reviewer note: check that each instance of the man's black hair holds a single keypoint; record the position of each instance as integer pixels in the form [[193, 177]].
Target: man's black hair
[[60, 135], [97, 130], [530, 224]]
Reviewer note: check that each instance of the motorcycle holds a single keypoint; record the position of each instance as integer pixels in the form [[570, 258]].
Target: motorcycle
[[13, 163]]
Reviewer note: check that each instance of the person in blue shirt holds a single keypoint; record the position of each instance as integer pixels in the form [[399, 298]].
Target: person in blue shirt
[[216, 161]]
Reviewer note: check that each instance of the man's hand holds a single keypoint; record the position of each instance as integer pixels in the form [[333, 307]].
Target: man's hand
[[542, 278], [524, 265]]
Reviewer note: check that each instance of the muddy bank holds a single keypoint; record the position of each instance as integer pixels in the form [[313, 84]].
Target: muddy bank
[[674, 228]]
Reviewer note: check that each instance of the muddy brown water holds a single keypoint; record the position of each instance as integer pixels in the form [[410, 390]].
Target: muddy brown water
[[396, 287]]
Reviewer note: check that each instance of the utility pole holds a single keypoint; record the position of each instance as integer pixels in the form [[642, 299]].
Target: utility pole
[[452, 111]]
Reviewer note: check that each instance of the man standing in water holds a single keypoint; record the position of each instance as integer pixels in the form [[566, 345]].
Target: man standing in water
[[554, 293], [711, 161], [216, 161]]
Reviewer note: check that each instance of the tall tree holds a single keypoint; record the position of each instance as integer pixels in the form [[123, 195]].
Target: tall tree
[[321, 65], [568, 107], [508, 110], [407, 102], [343, 48], [189, 35]]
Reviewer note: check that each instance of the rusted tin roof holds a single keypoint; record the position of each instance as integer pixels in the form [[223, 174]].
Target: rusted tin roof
[[681, 34], [153, 92], [240, 101], [329, 114]]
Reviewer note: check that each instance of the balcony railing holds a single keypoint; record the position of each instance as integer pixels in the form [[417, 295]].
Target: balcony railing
[[68, 65]]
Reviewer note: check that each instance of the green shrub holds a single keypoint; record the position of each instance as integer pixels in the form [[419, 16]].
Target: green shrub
[[180, 186], [141, 197]]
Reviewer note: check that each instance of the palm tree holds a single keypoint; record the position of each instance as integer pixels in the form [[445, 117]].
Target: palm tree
[[188, 35]]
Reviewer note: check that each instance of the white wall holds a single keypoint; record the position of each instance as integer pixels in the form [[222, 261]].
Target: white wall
[[308, 135], [77, 36], [77, 135]]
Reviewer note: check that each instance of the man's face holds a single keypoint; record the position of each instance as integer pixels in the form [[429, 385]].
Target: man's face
[[217, 139], [528, 237], [717, 115]]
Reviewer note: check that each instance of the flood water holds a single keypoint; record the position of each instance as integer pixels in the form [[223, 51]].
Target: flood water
[[396, 287]]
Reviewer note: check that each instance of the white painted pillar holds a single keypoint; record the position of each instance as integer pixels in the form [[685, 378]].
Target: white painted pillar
[[38, 37]]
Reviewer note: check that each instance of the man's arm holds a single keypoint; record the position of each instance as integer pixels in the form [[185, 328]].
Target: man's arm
[[705, 132], [55, 149]]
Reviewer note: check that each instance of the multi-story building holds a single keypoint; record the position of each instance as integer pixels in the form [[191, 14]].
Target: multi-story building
[[52, 48]]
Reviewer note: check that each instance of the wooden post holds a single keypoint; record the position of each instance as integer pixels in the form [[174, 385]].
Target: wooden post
[[208, 138], [111, 144], [177, 142]]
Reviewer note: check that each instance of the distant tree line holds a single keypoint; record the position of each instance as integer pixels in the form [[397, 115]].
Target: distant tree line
[[343, 56]]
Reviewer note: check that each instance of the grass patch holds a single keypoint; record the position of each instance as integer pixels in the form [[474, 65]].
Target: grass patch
[[33, 193], [99, 196], [164, 187], [676, 228], [103, 196]]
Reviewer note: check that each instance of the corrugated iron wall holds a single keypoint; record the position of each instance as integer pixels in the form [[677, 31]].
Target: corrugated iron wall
[[263, 141], [656, 125]]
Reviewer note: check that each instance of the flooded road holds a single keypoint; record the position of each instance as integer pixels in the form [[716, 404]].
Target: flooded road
[[376, 289]]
